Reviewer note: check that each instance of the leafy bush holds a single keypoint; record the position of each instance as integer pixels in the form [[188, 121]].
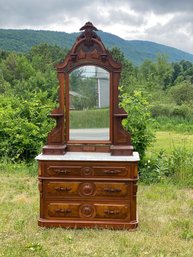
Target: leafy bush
[[161, 110], [139, 120], [182, 92], [184, 111], [23, 125], [177, 167], [154, 169], [181, 166]]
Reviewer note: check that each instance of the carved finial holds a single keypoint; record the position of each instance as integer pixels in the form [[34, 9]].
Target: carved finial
[[89, 26], [88, 34]]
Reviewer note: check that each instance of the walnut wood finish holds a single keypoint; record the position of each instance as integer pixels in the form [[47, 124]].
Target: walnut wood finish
[[93, 169], [88, 50], [88, 194]]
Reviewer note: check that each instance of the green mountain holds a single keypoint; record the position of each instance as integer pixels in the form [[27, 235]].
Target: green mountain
[[135, 50]]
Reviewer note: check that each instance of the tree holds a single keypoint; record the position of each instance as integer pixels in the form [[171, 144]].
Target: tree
[[182, 93], [129, 72], [44, 56], [164, 72], [16, 67]]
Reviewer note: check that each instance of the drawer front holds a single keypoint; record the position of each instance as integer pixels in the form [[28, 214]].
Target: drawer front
[[67, 169], [97, 211], [55, 189]]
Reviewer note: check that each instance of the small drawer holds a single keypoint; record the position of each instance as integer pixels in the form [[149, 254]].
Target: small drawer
[[68, 169], [96, 211], [55, 189]]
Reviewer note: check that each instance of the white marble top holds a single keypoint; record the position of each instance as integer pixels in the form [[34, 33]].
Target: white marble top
[[88, 156]]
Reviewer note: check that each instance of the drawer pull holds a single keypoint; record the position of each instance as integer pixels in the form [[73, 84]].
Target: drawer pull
[[64, 172], [63, 189], [112, 212], [112, 190], [64, 211], [112, 172]]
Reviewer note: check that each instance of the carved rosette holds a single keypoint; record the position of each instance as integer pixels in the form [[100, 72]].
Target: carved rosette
[[87, 171], [87, 211], [87, 189]]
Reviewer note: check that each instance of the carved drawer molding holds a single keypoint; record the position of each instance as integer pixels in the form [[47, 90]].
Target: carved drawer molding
[[62, 170], [96, 211], [88, 189]]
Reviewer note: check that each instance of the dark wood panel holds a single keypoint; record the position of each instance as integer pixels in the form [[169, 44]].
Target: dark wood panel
[[89, 169], [68, 210], [89, 210], [61, 189]]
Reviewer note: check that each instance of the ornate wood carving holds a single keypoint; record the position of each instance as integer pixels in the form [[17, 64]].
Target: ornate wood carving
[[88, 50], [87, 211]]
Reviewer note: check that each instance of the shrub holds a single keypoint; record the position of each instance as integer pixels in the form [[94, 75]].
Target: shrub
[[139, 120], [154, 169], [182, 92], [23, 125], [181, 166], [185, 111], [161, 110], [177, 167]]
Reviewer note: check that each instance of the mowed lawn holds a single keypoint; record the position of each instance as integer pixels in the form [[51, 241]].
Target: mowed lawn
[[165, 219]]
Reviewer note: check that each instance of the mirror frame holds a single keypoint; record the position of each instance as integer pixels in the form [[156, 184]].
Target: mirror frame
[[88, 49]]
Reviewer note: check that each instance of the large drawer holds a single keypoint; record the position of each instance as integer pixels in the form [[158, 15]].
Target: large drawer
[[88, 169], [75, 189], [92, 211]]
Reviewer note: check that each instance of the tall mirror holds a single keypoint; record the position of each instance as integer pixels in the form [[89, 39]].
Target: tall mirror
[[89, 97]]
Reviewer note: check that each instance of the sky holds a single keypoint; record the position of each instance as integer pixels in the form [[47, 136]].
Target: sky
[[168, 22]]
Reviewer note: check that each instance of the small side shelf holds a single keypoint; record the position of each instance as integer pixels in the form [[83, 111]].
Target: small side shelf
[[56, 115], [120, 115]]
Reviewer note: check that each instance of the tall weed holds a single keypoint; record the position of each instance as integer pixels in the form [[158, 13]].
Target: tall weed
[[176, 167]]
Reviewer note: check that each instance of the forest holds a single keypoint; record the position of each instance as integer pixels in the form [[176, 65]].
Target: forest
[[21, 41], [28, 93]]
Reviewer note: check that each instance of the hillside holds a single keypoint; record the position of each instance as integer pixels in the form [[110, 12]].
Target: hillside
[[135, 50]]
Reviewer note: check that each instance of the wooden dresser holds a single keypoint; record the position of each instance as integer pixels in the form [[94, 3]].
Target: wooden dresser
[[87, 170], [82, 189]]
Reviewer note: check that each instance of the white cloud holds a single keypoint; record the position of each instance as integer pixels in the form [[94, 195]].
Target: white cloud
[[162, 21]]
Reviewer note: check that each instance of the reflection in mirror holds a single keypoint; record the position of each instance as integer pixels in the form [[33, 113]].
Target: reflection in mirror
[[89, 95]]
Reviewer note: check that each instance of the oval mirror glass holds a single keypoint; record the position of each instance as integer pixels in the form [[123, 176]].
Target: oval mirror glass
[[89, 114]]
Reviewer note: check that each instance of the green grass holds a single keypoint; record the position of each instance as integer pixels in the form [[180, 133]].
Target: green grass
[[170, 158], [165, 225], [168, 140], [177, 124], [165, 218], [98, 118]]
